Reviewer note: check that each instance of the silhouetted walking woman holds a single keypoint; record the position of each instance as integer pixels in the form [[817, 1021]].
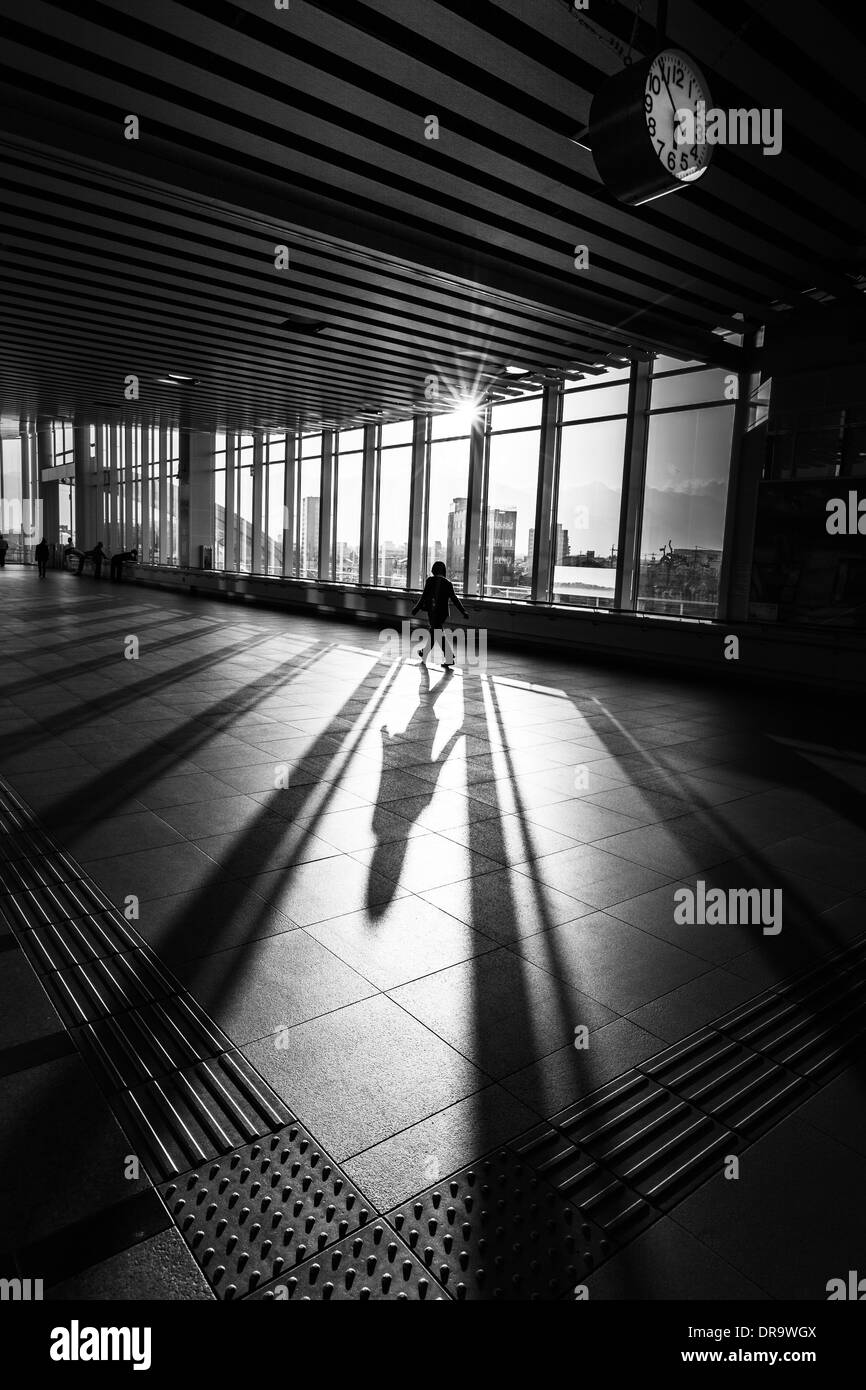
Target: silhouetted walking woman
[[436, 602]]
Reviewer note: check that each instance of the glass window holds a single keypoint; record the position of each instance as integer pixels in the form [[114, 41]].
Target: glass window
[[173, 497], [591, 461], [591, 402], [347, 519], [219, 530], [350, 441], [672, 364], [244, 476], [398, 432], [392, 517], [512, 483], [276, 479], [309, 503], [688, 465], [451, 424], [516, 415], [446, 503], [692, 388]]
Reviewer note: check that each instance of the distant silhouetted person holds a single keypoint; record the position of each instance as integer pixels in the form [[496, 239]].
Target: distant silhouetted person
[[436, 602], [70, 553], [118, 560], [4, 546], [42, 553], [97, 555]]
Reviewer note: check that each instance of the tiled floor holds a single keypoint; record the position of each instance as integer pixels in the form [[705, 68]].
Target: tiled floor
[[431, 880]]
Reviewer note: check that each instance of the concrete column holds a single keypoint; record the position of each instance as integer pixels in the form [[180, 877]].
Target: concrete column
[[201, 448], [417, 503], [473, 544], [748, 455], [49, 492], [164, 470], [367, 560], [146, 504], [633, 482], [257, 562], [290, 554], [543, 554], [88, 487], [326, 508], [232, 444]]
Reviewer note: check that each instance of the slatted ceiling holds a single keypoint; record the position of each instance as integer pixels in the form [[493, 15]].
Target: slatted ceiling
[[446, 176], [306, 127]]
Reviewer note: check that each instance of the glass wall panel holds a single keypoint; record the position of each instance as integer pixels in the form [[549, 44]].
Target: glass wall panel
[[275, 481], [691, 388], [447, 494], [589, 499], [309, 503], [397, 432], [173, 498], [347, 511], [220, 502], [592, 402], [688, 464], [524, 413], [512, 484], [244, 478], [392, 515]]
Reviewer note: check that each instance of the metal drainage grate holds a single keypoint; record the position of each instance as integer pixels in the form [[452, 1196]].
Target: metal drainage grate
[[497, 1231], [252, 1216]]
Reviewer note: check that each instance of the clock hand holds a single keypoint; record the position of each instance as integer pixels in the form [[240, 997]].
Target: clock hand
[[674, 107]]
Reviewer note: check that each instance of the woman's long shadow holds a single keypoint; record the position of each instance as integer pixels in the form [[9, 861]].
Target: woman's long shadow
[[419, 735]]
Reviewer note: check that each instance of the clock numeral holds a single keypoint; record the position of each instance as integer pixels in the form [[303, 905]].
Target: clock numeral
[[684, 163], [672, 161], [655, 83], [661, 144], [651, 126], [648, 102]]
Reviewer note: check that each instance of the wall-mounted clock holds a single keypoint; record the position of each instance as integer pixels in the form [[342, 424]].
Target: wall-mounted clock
[[633, 123]]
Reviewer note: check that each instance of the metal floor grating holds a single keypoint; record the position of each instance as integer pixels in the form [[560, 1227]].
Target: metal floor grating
[[267, 1214]]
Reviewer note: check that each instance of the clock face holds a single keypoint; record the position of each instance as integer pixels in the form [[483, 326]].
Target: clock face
[[674, 89]]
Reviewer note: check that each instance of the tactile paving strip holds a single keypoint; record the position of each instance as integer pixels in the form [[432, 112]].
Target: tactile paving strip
[[616, 1208], [28, 873], [497, 1231], [813, 1028], [195, 1115], [728, 1080], [373, 1265], [650, 1138], [53, 905], [145, 1044], [260, 1211], [126, 980], [75, 943]]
